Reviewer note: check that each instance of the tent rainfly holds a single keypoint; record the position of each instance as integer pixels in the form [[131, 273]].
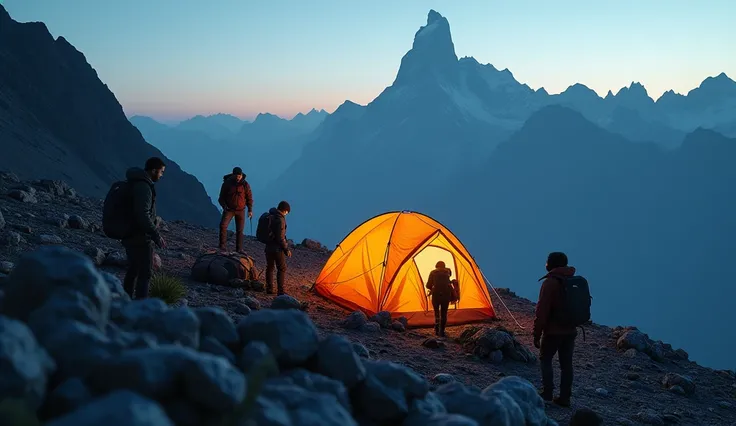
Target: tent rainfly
[[383, 265]]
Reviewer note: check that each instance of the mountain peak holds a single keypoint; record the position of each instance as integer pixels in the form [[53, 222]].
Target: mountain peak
[[432, 52]]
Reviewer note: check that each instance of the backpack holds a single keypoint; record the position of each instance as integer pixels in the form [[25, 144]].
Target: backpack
[[264, 231], [455, 294], [576, 301], [117, 211], [217, 268]]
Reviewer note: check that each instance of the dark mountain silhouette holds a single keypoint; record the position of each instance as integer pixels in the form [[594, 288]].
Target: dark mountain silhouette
[[652, 229], [216, 126], [59, 121], [310, 120]]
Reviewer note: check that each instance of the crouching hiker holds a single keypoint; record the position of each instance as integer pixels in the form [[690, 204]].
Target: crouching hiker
[[271, 231], [440, 289], [564, 305], [129, 215]]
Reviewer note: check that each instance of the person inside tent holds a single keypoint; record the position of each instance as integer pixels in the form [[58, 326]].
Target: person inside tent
[[440, 289]]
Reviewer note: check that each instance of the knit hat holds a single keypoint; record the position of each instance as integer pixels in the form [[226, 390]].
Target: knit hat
[[237, 171], [440, 265]]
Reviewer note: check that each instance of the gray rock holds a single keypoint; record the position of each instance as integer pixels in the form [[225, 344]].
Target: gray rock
[[50, 239], [257, 355], [12, 238], [6, 267], [398, 326], [24, 365], [97, 255], [361, 350], [116, 259], [633, 339], [290, 334], [285, 301], [370, 327], [673, 379], [270, 412], [390, 386], [252, 303], [383, 319], [67, 397], [443, 378], [216, 323], [41, 274], [318, 383], [336, 358], [304, 408], [241, 309], [355, 320], [649, 417], [210, 345], [168, 370], [512, 392], [601, 392], [441, 419], [511, 400], [119, 408], [2, 221], [77, 222], [27, 196], [178, 325], [492, 339]]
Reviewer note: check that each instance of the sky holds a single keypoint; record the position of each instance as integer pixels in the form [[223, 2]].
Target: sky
[[172, 59]]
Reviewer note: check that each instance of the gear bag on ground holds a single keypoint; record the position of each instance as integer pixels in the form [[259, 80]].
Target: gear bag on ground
[[217, 268]]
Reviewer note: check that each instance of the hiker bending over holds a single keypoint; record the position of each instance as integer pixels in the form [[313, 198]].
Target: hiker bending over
[[440, 289], [564, 304], [139, 244], [272, 232], [235, 196]]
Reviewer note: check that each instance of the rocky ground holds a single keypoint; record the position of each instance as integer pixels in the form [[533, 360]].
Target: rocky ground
[[621, 374]]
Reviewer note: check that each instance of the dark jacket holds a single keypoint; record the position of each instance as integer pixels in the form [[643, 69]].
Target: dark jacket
[[235, 195], [550, 300], [439, 283], [278, 227], [144, 205]]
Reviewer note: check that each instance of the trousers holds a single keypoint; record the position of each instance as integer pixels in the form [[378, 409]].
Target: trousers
[[275, 260], [227, 216], [140, 269], [440, 315], [564, 346]]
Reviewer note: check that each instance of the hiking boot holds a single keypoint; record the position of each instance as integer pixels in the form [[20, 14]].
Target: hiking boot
[[547, 396], [562, 402]]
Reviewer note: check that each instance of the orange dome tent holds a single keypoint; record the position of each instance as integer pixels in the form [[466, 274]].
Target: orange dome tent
[[383, 264]]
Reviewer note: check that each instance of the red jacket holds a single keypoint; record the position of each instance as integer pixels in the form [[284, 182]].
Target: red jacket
[[549, 300], [235, 195]]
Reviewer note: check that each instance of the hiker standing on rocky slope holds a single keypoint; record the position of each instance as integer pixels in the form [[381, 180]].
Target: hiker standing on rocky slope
[[440, 289], [139, 245], [272, 232], [560, 309], [235, 196]]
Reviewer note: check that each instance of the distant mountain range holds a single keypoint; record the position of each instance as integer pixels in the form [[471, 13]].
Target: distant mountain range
[[59, 121], [210, 147]]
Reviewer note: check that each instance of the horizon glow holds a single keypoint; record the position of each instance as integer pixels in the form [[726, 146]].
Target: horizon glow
[[174, 59]]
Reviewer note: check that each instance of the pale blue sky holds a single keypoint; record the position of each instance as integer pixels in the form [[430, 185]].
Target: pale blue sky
[[172, 59]]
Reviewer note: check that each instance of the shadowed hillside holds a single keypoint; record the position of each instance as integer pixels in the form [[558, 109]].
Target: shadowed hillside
[[59, 121]]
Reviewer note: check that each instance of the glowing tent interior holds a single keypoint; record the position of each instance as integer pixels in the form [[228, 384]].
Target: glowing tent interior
[[383, 265]]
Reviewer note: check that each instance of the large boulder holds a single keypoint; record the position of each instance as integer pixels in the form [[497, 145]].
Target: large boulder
[[24, 365], [290, 334], [119, 408]]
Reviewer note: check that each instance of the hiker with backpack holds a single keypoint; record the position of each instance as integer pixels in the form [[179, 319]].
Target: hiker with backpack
[[271, 231], [564, 305], [235, 197], [440, 289], [129, 215]]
